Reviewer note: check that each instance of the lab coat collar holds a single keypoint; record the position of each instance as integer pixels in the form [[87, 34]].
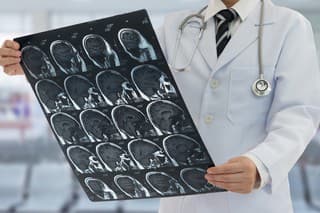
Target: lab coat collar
[[243, 8], [246, 34]]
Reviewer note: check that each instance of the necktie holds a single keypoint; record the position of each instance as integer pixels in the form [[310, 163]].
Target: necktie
[[223, 36]]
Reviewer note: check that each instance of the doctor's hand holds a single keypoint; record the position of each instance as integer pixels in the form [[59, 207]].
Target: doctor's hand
[[10, 57], [238, 175]]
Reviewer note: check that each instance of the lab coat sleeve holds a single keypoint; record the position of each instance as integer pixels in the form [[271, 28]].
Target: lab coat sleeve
[[295, 112], [262, 170]]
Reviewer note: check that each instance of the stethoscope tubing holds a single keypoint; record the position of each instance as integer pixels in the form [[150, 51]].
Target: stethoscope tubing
[[203, 25]]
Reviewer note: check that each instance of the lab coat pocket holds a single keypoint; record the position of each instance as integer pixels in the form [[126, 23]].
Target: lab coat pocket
[[244, 107]]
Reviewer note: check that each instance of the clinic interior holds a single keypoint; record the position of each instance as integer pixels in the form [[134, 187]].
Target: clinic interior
[[31, 162]]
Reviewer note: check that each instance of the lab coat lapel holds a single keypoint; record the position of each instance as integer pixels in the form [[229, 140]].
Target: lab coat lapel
[[246, 34], [207, 46]]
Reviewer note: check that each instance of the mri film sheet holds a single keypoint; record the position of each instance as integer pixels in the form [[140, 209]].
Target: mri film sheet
[[115, 109]]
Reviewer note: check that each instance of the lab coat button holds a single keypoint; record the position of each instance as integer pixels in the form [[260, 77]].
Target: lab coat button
[[214, 84], [208, 119]]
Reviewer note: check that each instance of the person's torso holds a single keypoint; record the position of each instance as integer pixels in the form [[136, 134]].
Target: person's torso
[[218, 93]]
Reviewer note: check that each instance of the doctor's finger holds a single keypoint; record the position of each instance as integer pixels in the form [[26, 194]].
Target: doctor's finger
[[5, 61], [228, 178], [11, 44], [227, 186], [228, 168], [14, 69], [9, 52], [233, 187]]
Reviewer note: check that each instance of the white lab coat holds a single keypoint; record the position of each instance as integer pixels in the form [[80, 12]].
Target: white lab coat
[[231, 120]]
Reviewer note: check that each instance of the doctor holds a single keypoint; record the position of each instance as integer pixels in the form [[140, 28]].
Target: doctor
[[254, 130], [269, 130]]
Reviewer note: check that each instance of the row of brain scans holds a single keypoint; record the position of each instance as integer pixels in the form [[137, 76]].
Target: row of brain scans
[[97, 49], [115, 109], [112, 88], [140, 154], [160, 182], [128, 122]]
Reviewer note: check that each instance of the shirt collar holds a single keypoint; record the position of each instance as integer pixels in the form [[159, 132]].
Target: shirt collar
[[243, 8]]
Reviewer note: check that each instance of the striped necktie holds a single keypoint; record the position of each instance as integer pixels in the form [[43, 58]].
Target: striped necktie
[[223, 35]]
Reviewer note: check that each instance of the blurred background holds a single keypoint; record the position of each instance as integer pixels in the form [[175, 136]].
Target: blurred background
[[34, 176]]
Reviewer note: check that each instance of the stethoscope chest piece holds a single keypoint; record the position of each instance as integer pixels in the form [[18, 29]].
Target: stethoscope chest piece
[[261, 87]]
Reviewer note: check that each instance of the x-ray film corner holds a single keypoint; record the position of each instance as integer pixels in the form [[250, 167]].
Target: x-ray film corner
[[115, 109]]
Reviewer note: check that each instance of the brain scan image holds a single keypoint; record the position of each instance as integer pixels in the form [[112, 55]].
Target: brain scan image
[[194, 179], [167, 117], [136, 46], [67, 129], [114, 157], [83, 93], [147, 154], [152, 83], [67, 57], [115, 88], [83, 160], [100, 189], [164, 184], [99, 51], [98, 126], [184, 150], [37, 63], [131, 186], [52, 96], [131, 122]]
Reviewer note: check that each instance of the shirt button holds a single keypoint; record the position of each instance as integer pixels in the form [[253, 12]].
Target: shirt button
[[214, 83], [208, 119]]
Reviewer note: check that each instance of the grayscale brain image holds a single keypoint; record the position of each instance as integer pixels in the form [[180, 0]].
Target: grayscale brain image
[[68, 129], [100, 52], [131, 122], [152, 83], [52, 97], [115, 88], [184, 150], [100, 189], [82, 92], [164, 184], [98, 126], [167, 117], [136, 45], [131, 186], [37, 62], [192, 177], [115, 109], [147, 154], [67, 57], [83, 160], [115, 158]]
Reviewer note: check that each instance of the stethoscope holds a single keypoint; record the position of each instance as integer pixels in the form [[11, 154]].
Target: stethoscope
[[261, 87]]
